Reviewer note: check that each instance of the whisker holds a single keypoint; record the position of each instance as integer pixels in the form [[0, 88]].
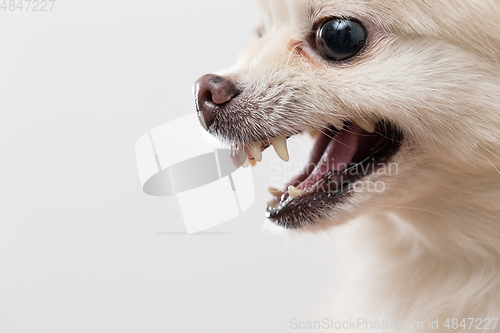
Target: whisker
[[290, 56], [336, 140], [491, 163], [284, 47], [307, 145]]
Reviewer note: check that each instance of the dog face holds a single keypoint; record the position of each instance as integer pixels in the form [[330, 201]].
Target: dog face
[[403, 93]]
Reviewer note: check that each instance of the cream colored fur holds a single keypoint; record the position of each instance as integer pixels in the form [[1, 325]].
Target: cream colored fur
[[430, 244]]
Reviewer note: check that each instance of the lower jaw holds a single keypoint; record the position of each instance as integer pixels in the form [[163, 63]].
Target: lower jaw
[[334, 188]]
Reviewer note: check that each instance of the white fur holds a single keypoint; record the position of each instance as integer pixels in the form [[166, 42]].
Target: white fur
[[430, 246]]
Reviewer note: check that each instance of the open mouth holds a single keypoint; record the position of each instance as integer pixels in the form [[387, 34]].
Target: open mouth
[[339, 158]]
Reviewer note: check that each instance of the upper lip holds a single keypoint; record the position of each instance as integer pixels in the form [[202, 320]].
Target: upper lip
[[254, 150]]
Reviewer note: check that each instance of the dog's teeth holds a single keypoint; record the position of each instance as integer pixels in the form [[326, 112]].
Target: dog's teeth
[[246, 164], [314, 134], [294, 192], [280, 147], [253, 162], [275, 192], [367, 125], [256, 151]]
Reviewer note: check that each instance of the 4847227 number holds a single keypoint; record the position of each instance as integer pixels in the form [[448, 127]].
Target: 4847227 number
[[27, 5], [471, 323]]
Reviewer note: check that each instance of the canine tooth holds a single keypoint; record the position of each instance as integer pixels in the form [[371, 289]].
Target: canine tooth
[[275, 192], [280, 147], [253, 162], [294, 192], [256, 151], [367, 125], [314, 134], [246, 164]]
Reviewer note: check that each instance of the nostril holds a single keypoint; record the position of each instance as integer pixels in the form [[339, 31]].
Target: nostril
[[212, 91], [206, 96]]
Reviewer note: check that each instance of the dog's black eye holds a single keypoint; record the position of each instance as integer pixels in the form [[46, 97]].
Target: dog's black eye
[[340, 39]]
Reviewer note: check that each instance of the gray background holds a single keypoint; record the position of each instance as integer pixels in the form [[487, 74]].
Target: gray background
[[82, 249]]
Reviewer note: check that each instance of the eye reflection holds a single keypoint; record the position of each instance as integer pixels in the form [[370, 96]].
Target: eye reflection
[[340, 39]]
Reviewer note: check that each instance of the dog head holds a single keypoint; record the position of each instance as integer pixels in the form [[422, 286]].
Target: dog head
[[403, 94]]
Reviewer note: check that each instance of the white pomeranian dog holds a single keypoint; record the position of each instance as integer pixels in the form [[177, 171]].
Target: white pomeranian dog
[[403, 99]]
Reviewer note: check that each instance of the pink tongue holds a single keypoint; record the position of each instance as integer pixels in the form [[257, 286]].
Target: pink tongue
[[337, 156]]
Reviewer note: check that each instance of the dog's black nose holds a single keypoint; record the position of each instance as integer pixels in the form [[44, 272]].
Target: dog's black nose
[[211, 91]]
